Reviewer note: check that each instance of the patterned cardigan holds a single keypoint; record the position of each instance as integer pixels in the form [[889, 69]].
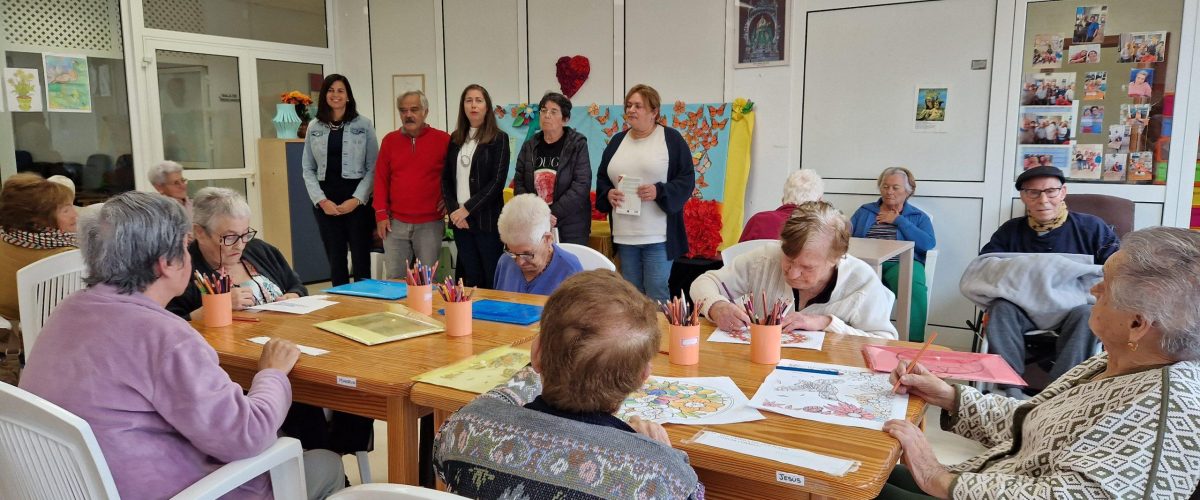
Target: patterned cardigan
[[1133, 436], [495, 448]]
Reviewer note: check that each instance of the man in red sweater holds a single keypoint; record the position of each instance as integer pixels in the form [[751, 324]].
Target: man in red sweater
[[409, 212]]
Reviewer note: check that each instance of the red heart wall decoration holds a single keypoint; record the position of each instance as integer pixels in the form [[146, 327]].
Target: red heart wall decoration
[[571, 73]]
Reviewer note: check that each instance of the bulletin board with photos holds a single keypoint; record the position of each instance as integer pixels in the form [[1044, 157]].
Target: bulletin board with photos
[[1098, 88]]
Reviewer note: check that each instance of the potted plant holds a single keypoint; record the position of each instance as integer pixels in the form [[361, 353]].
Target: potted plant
[[301, 102], [22, 85]]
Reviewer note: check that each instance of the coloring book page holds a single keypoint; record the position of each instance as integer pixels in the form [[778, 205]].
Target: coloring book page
[[799, 338], [690, 401], [856, 397]]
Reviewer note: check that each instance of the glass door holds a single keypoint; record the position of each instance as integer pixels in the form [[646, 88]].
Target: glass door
[[201, 118]]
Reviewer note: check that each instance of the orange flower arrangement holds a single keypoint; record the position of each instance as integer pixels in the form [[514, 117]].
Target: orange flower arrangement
[[295, 97]]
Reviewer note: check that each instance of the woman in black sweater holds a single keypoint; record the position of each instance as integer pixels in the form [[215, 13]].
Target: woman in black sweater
[[472, 186]]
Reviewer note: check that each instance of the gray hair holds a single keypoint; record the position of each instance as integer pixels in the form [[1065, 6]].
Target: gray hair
[[1160, 279], [524, 216], [910, 181], [212, 203], [158, 173], [803, 186], [122, 242], [424, 100]]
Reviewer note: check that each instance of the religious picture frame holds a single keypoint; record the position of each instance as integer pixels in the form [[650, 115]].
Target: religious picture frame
[[761, 33]]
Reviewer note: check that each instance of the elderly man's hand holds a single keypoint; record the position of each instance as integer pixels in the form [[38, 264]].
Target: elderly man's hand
[[930, 475]]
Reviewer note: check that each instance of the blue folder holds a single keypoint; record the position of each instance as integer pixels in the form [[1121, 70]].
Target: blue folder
[[375, 289], [504, 312]]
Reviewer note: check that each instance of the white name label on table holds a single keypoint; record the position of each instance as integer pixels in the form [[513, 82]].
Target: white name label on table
[[791, 456], [347, 381], [789, 478]]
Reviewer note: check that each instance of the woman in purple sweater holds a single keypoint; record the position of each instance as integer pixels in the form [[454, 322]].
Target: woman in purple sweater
[[164, 412]]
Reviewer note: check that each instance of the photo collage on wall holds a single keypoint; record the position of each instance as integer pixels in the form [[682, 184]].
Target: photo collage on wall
[[1092, 121]]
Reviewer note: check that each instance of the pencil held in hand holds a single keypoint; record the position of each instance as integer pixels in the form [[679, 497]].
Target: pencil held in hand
[[916, 359]]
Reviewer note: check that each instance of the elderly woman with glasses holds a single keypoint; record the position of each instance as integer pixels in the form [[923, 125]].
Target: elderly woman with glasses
[[532, 262], [167, 178], [163, 411], [225, 242], [1122, 424]]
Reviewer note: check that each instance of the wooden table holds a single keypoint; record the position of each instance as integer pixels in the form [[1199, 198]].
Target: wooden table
[[875, 253], [730, 475], [372, 381]]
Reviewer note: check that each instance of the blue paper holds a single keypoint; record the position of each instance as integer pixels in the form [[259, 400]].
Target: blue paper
[[374, 289], [504, 312]]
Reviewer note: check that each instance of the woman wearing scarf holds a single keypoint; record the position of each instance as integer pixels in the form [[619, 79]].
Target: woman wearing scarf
[[37, 220]]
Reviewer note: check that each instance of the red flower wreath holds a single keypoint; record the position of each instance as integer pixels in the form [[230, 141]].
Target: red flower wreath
[[702, 220]]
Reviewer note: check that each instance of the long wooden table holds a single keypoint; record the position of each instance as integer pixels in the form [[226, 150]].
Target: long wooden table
[[731, 475], [372, 381]]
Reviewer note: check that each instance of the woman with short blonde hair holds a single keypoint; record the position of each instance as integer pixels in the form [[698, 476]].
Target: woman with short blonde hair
[[37, 220]]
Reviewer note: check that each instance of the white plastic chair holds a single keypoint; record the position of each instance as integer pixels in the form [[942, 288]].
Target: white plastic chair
[[732, 252], [49, 453], [386, 491], [930, 266], [41, 286], [589, 257]]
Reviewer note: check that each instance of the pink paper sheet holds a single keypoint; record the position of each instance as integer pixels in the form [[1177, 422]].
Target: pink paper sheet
[[948, 364]]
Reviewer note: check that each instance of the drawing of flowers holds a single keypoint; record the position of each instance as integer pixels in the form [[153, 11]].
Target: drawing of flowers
[[842, 409]]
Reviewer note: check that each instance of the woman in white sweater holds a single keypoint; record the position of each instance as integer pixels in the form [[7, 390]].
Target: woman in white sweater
[[831, 291]]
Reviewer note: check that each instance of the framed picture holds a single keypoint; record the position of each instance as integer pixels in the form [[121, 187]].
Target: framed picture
[[930, 111], [400, 85], [762, 33]]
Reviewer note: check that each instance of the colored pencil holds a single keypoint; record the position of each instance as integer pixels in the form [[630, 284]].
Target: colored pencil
[[808, 370], [909, 369], [246, 319]]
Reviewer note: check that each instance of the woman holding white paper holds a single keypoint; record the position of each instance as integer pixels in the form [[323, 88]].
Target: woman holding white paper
[[657, 159], [1119, 425]]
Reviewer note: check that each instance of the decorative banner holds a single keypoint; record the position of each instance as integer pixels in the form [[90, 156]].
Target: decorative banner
[[722, 163], [68, 88]]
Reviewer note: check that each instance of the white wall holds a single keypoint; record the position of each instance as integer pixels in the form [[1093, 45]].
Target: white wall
[[882, 49]]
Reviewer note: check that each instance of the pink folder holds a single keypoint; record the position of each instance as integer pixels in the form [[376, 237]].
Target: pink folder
[[946, 364]]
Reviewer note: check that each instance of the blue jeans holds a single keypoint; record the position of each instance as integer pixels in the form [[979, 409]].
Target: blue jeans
[[647, 267]]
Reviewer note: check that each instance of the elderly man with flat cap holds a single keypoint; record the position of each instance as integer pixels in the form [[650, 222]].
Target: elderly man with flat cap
[[1047, 227]]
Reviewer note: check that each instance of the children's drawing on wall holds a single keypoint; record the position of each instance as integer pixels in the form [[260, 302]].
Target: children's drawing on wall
[[68, 88]]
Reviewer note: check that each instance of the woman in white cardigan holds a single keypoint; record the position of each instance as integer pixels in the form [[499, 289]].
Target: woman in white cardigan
[[832, 291]]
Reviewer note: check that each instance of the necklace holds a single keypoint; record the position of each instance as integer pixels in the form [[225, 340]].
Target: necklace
[[335, 126]]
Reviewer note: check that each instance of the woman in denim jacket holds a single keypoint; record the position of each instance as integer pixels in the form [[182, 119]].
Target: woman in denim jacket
[[339, 169]]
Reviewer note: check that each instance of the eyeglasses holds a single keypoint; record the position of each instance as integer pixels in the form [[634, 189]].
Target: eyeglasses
[[180, 182], [232, 239], [551, 112], [1034, 194], [527, 257]]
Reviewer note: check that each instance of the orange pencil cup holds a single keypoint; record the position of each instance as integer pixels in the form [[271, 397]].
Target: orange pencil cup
[[685, 345], [458, 318], [420, 299], [218, 309], [764, 344]]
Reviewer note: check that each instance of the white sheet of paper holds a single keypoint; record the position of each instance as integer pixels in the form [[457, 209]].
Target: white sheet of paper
[[311, 351], [857, 397], [632, 204], [799, 339], [791, 456], [301, 305], [689, 401]]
